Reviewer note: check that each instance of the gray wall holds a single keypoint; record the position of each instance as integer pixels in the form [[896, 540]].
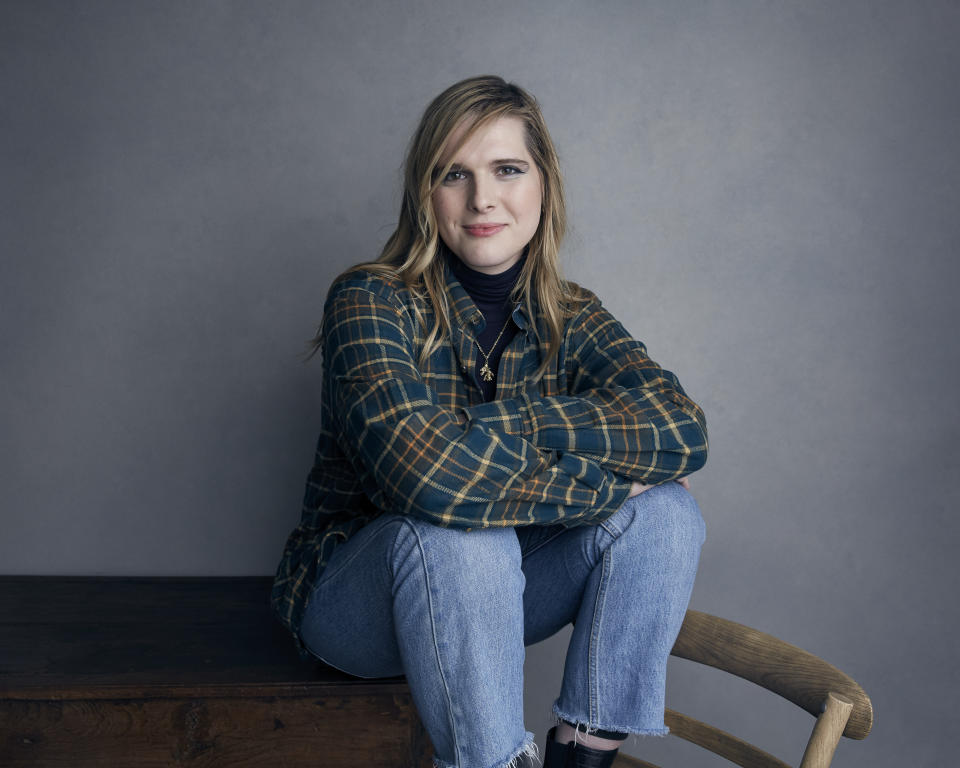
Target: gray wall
[[765, 193]]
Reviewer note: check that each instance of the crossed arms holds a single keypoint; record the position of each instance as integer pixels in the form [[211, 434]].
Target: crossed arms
[[567, 459]]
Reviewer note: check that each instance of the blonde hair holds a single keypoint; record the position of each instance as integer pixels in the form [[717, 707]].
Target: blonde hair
[[412, 253]]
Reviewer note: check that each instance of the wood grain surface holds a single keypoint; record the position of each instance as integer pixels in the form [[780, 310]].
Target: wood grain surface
[[719, 742], [827, 732], [181, 672], [776, 665]]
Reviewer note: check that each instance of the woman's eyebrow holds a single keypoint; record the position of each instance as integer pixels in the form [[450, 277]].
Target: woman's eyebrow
[[460, 167]]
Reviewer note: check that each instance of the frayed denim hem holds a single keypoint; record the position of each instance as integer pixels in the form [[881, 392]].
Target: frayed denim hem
[[662, 731], [527, 749]]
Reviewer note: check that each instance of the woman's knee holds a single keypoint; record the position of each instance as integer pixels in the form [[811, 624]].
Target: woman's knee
[[484, 557], [666, 512]]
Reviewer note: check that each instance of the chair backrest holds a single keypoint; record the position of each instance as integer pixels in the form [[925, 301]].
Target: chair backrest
[[841, 706]]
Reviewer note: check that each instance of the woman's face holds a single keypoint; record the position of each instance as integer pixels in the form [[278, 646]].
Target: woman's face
[[488, 206]]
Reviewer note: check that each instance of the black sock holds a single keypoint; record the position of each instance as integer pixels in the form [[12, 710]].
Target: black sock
[[599, 732]]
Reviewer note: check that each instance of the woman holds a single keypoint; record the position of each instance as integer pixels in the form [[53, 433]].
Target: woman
[[497, 460]]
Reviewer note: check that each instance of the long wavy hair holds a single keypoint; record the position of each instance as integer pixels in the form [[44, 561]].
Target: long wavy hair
[[413, 251]]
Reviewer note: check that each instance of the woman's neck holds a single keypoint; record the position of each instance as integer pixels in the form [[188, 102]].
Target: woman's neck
[[484, 288]]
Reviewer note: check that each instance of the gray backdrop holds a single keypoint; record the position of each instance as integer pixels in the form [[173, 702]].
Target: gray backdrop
[[765, 193]]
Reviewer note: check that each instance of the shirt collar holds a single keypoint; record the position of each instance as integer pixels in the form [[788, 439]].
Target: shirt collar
[[465, 313]]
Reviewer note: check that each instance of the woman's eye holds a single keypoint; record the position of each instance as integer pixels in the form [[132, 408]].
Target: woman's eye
[[454, 176], [509, 170]]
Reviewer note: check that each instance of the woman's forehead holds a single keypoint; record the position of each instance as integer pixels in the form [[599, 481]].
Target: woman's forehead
[[501, 138]]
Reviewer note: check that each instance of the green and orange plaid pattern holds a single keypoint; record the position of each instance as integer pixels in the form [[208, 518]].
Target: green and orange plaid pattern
[[403, 439]]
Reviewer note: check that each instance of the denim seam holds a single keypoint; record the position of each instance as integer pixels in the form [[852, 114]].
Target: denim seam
[[610, 527], [594, 677], [433, 633]]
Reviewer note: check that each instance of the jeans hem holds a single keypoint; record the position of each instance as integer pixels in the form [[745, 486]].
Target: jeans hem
[[527, 749], [590, 727]]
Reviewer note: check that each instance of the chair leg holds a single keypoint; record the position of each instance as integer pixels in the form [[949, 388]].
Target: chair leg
[[827, 731]]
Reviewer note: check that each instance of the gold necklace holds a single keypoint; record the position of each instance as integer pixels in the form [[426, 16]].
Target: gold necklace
[[485, 373]]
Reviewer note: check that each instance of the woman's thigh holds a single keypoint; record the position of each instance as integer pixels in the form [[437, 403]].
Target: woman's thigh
[[402, 590], [348, 617]]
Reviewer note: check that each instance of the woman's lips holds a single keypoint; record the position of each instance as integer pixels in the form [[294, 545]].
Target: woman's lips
[[483, 230]]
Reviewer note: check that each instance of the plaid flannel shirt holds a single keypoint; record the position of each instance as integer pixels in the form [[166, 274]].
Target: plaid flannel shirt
[[403, 439]]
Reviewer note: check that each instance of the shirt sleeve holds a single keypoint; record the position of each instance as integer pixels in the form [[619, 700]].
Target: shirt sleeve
[[624, 412], [416, 457]]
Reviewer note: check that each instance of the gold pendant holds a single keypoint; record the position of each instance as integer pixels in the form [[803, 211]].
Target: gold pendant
[[485, 373]]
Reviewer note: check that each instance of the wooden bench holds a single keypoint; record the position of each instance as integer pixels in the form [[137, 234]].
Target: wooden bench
[[116, 672]]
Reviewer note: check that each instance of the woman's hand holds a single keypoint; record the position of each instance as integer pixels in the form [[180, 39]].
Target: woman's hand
[[637, 488]]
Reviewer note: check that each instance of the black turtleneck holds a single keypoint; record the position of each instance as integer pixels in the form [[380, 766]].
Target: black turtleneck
[[491, 294]]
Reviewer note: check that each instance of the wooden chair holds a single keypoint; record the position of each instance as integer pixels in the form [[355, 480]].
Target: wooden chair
[[841, 707]]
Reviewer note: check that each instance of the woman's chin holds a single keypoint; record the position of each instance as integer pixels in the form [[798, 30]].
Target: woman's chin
[[490, 263]]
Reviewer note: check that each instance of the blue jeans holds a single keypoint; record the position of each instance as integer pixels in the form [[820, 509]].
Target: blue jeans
[[453, 610]]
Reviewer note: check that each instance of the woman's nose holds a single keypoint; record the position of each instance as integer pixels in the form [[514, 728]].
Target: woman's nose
[[482, 195]]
